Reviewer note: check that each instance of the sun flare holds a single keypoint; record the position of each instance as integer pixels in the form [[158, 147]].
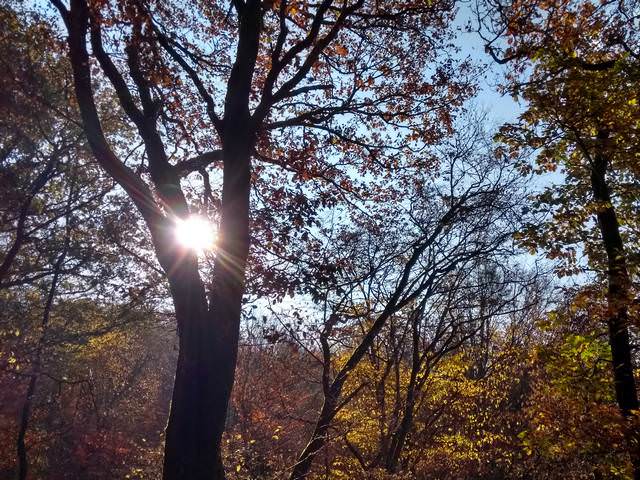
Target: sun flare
[[195, 233]]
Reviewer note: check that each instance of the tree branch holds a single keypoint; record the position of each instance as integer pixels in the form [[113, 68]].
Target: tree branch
[[167, 44], [79, 58], [198, 163]]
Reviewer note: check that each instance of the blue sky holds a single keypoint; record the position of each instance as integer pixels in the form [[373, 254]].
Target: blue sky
[[501, 108]]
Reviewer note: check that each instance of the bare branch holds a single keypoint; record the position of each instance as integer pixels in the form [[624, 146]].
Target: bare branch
[[198, 163]]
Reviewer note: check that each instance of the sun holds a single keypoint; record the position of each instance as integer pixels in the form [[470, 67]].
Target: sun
[[195, 233]]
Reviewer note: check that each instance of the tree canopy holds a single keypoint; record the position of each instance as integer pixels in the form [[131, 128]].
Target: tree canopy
[[279, 239]]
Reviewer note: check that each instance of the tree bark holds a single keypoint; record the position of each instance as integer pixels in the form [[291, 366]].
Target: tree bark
[[618, 299], [209, 337], [209, 334], [201, 389]]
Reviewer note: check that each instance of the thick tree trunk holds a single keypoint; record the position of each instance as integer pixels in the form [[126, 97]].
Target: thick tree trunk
[[208, 330], [209, 336], [209, 333], [619, 299], [204, 376], [200, 395]]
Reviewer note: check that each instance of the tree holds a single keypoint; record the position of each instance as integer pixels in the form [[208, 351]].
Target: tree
[[33, 139], [447, 228], [571, 423], [582, 117], [353, 55], [55, 246], [591, 36]]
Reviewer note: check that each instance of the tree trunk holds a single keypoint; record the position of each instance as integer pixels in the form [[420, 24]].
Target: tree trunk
[[618, 299], [204, 379], [209, 333], [318, 440], [208, 330], [400, 435], [198, 404], [21, 448]]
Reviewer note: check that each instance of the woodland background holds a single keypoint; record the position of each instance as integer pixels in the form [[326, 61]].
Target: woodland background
[[424, 293]]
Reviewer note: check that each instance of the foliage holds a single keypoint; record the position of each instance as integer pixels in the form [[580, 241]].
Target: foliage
[[369, 310]]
